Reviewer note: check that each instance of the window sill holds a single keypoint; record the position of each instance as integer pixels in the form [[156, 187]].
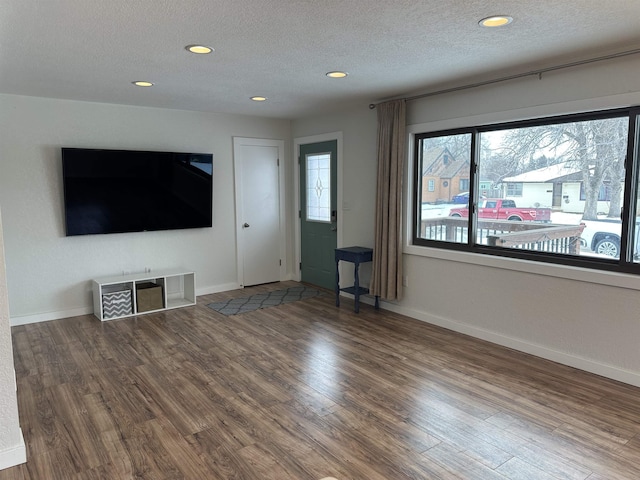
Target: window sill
[[601, 277]]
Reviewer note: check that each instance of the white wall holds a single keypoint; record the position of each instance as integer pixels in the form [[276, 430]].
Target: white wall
[[12, 448], [49, 274], [532, 193], [575, 205], [578, 317]]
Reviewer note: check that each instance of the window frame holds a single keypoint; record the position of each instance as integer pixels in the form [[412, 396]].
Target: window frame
[[624, 264], [604, 194], [519, 189]]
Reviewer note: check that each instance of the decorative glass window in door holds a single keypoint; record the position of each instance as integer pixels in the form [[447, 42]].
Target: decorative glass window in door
[[318, 168]]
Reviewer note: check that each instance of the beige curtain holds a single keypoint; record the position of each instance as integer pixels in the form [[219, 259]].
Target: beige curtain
[[386, 277]]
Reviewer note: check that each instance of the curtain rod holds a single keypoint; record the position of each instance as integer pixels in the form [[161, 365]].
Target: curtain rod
[[538, 72]]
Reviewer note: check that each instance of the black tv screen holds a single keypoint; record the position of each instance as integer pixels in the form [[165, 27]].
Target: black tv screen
[[117, 191]]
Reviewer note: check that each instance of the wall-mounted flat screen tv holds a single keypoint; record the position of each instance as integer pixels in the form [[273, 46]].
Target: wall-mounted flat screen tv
[[117, 191]]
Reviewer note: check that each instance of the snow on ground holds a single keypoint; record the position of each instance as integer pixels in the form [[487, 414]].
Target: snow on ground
[[440, 210], [564, 218]]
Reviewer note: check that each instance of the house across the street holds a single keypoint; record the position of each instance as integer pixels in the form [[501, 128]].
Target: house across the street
[[559, 186]]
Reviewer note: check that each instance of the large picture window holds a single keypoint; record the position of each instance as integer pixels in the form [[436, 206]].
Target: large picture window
[[559, 189]]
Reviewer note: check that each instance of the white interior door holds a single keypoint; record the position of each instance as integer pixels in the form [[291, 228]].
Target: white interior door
[[259, 210]]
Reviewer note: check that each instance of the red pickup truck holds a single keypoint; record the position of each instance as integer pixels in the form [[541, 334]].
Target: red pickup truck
[[503, 209]]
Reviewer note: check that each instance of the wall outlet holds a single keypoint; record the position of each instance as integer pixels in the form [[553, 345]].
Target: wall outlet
[[405, 281]]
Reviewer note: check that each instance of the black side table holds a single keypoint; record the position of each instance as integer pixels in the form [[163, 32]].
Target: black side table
[[355, 255]]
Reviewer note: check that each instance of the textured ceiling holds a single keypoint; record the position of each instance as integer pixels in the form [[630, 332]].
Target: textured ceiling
[[93, 49]]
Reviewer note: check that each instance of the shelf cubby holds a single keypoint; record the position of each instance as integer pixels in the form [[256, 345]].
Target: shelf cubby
[[110, 293]]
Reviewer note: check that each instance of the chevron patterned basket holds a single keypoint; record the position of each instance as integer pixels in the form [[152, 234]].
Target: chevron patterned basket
[[116, 304]]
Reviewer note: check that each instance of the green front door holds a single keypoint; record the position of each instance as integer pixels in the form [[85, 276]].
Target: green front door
[[318, 213]]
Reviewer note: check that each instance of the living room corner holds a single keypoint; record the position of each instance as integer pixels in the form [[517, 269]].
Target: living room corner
[[12, 448]]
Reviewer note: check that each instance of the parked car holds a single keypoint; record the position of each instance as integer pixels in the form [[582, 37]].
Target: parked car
[[505, 209], [603, 237], [463, 198]]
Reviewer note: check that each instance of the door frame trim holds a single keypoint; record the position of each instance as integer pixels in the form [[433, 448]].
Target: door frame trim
[[297, 142], [237, 168]]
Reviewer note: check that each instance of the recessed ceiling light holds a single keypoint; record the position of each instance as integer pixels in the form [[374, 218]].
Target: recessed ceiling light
[[142, 84], [258, 98], [199, 49], [495, 21], [336, 74]]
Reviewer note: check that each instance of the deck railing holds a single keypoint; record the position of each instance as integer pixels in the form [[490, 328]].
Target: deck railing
[[544, 237]]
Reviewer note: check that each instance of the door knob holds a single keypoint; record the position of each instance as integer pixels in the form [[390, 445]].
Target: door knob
[[246, 225], [334, 229]]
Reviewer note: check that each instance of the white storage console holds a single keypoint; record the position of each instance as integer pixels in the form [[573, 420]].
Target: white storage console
[[122, 296]]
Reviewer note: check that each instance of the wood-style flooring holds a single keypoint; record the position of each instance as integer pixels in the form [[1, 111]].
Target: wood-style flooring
[[304, 391]]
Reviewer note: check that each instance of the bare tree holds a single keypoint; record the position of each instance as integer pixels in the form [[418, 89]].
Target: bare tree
[[458, 145], [596, 148], [616, 174]]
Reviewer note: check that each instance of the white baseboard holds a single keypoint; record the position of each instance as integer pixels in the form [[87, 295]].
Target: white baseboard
[[14, 456], [217, 289], [45, 317], [75, 312], [608, 371]]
